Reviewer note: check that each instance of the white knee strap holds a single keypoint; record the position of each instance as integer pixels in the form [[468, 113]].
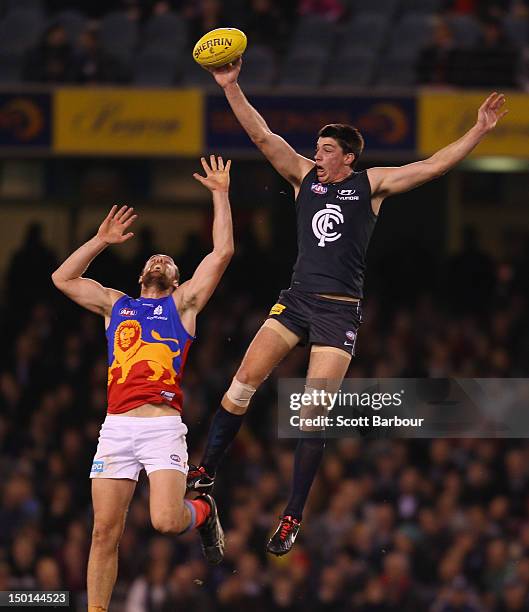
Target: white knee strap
[[240, 394], [322, 397], [316, 409]]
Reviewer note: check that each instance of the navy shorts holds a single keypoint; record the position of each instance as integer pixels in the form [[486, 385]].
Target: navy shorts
[[319, 320]]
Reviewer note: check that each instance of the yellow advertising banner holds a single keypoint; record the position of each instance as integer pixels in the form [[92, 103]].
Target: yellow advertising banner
[[445, 117], [128, 121]]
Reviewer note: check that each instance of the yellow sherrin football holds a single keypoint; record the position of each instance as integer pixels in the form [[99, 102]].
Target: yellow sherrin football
[[219, 47]]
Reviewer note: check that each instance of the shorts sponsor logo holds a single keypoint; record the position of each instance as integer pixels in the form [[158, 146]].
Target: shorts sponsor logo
[[319, 189], [167, 394], [276, 309], [98, 466], [175, 459], [128, 312]]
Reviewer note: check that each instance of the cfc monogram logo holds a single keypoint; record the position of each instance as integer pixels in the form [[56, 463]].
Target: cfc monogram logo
[[323, 224]]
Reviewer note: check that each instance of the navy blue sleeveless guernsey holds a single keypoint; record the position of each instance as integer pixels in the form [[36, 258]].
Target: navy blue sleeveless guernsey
[[147, 350], [335, 222]]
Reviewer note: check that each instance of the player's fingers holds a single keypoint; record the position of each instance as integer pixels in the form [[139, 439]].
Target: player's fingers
[[499, 102], [491, 97], [220, 163], [127, 214], [127, 236], [502, 115], [120, 213], [112, 212], [228, 165], [207, 169], [489, 100], [213, 163], [495, 100], [200, 179], [129, 221]]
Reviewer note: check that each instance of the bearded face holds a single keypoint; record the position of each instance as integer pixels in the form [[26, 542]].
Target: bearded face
[[160, 273]]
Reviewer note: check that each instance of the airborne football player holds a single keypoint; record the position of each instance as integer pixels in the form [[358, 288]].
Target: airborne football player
[[336, 210]]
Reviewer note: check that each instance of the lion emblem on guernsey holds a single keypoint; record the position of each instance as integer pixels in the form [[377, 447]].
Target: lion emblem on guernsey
[[130, 349]]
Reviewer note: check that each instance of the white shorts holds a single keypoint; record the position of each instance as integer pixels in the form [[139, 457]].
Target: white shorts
[[129, 444]]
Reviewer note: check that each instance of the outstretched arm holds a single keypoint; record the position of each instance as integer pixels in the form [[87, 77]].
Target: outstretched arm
[[292, 166], [68, 276], [194, 293], [390, 181]]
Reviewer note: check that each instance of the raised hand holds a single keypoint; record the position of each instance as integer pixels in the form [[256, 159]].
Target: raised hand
[[217, 175], [225, 75], [491, 111], [113, 228]]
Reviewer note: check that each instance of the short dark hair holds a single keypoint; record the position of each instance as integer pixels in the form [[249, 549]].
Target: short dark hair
[[348, 137]]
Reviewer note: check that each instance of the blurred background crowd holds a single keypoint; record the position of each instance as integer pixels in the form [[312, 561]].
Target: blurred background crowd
[[297, 44], [438, 525], [391, 525]]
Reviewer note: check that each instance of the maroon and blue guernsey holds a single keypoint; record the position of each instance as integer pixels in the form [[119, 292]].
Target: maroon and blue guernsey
[[147, 350]]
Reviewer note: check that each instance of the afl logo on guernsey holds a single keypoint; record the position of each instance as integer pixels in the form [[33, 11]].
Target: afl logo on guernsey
[[319, 189], [127, 312], [324, 222]]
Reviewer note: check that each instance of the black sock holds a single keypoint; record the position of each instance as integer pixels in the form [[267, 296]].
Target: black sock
[[222, 432], [307, 459]]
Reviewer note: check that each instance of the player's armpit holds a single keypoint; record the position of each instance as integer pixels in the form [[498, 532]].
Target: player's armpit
[[89, 294], [391, 181], [291, 165]]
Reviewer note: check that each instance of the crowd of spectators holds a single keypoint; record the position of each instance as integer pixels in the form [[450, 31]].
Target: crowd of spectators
[[434, 525], [493, 61], [472, 44]]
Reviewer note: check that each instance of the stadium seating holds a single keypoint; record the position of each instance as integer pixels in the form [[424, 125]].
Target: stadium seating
[[74, 22], [19, 30], [355, 67], [364, 31], [119, 36], [155, 67], [194, 76], [517, 30], [320, 33], [466, 30], [259, 67], [11, 66], [420, 6], [378, 33], [303, 69], [167, 31], [35, 6], [374, 7]]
